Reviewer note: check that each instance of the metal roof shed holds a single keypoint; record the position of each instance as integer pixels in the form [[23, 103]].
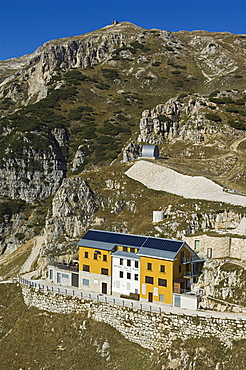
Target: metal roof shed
[[150, 151]]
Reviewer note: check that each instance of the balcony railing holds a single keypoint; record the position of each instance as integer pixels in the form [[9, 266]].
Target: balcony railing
[[189, 274], [193, 293], [66, 266], [191, 259]]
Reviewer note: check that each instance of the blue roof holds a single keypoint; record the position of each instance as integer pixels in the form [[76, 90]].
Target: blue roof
[[122, 239], [147, 245], [161, 248]]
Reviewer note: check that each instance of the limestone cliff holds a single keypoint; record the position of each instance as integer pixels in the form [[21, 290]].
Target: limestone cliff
[[72, 211]]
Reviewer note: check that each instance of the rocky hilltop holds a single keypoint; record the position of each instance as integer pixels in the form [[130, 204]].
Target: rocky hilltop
[[78, 110]]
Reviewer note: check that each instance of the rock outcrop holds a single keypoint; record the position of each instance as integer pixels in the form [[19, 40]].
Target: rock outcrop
[[73, 209], [32, 171]]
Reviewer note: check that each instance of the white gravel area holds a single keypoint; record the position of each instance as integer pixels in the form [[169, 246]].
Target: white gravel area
[[194, 187]]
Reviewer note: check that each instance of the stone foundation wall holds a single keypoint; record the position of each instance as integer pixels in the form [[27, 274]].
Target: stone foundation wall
[[150, 330]]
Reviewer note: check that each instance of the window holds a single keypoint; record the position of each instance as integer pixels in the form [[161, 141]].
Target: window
[[149, 280], [180, 268], [86, 268], [128, 262], [128, 275], [162, 268], [209, 252], [161, 297], [95, 256], [132, 250], [86, 282], [149, 266], [125, 249], [197, 245], [162, 282], [86, 255], [136, 264], [136, 277], [104, 271], [121, 261], [105, 257], [51, 274], [121, 274]]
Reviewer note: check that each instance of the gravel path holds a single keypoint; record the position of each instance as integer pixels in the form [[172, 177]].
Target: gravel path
[[194, 187], [33, 256]]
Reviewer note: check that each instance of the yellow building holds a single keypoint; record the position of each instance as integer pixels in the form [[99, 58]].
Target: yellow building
[[155, 269]]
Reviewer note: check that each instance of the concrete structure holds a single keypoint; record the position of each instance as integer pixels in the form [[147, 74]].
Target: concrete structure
[[64, 274], [158, 216], [150, 151]]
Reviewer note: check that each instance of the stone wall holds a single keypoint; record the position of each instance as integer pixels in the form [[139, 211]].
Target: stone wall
[[222, 246], [150, 330]]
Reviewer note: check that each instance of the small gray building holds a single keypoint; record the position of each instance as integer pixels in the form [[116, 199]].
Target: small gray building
[[150, 151]]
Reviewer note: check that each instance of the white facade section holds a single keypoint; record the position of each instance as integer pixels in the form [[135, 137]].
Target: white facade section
[[125, 275], [189, 301]]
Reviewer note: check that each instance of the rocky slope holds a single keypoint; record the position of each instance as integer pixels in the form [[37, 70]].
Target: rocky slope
[[223, 284], [77, 105]]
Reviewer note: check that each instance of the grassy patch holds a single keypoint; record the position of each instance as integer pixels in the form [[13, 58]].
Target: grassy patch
[[41, 340]]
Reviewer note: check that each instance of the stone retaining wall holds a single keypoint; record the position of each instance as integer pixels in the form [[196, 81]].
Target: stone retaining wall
[[150, 330]]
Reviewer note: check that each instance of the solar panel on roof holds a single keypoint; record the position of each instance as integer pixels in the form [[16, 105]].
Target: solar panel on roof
[[163, 244], [115, 238]]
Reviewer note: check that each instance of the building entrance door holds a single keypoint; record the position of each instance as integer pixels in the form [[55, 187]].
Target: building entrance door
[[150, 297], [104, 288], [75, 280]]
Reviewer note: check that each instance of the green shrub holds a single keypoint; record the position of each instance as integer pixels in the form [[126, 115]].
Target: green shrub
[[179, 83], [163, 118], [102, 86], [10, 208], [74, 115], [237, 125], [110, 74], [239, 102], [232, 110], [6, 103], [182, 96], [20, 236], [74, 77], [213, 117], [121, 117], [138, 46], [222, 100], [214, 93]]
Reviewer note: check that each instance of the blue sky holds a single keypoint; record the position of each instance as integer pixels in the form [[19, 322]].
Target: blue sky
[[25, 25]]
